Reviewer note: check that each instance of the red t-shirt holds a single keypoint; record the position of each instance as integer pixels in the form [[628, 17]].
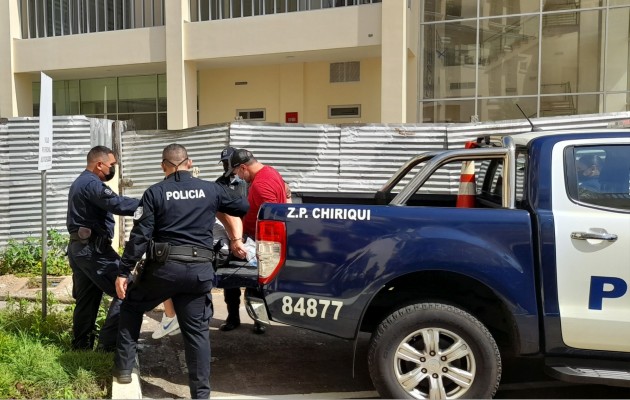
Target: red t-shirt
[[267, 187]]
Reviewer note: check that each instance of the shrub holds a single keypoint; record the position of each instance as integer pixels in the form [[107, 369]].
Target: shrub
[[36, 359], [25, 257]]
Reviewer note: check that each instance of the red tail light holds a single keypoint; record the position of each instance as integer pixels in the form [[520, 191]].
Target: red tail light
[[271, 247]]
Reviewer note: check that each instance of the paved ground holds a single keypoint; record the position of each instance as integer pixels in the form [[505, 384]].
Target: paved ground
[[283, 361]]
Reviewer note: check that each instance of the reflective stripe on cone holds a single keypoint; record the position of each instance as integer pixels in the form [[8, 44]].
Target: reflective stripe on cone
[[467, 185]]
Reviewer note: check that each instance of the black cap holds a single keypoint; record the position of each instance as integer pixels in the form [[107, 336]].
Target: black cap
[[226, 153], [238, 157]]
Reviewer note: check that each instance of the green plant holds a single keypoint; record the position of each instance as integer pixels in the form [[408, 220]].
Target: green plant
[[25, 257], [36, 359]]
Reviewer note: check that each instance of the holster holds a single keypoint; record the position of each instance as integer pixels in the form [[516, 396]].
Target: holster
[[136, 273], [220, 259], [161, 251], [82, 235]]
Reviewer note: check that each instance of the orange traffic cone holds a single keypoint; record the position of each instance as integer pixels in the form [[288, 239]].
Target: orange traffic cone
[[467, 185]]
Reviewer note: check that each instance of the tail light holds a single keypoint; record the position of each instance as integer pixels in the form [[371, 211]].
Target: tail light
[[271, 247]]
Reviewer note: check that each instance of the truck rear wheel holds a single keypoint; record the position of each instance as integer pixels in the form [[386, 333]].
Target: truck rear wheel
[[433, 350]]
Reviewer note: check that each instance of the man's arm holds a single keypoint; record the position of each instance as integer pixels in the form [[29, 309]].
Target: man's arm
[[141, 234], [105, 198], [234, 228]]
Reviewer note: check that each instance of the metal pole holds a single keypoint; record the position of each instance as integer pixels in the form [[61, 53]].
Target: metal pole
[[44, 249]]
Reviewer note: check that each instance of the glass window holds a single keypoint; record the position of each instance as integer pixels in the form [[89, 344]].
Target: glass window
[[508, 56], [98, 96], [440, 10], [73, 99], [450, 53], [346, 111], [37, 86], [617, 102], [162, 92], [448, 111], [162, 120], [507, 108], [256, 114], [619, 2], [507, 7], [140, 122], [600, 175], [137, 94], [571, 46], [66, 97], [618, 54], [559, 5], [565, 104]]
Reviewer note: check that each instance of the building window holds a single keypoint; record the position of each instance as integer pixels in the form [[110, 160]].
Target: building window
[[346, 111], [255, 114], [345, 72], [70, 17], [537, 54], [140, 99]]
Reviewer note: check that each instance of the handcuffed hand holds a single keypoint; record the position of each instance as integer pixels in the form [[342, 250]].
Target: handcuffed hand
[[121, 287], [238, 248]]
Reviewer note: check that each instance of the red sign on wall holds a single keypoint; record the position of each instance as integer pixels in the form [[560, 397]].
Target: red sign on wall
[[291, 117]]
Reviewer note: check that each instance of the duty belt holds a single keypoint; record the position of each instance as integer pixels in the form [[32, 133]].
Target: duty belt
[[190, 254], [92, 238]]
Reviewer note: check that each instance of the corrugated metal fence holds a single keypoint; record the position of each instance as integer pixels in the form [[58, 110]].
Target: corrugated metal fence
[[21, 182], [312, 158]]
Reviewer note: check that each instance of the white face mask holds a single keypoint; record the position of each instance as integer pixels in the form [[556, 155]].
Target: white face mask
[[235, 179]]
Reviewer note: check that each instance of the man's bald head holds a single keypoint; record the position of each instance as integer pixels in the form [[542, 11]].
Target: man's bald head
[[174, 153]]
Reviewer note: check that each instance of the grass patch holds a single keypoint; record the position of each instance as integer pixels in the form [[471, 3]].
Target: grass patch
[[36, 358]]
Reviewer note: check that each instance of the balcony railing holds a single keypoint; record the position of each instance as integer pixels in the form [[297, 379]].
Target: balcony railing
[[46, 18], [207, 10]]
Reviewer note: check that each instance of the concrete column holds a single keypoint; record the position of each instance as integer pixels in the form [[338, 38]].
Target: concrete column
[[618, 55], [413, 67], [9, 30], [181, 76], [394, 61]]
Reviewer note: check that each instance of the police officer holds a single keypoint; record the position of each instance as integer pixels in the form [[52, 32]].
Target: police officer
[[94, 262], [173, 225], [232, 295]]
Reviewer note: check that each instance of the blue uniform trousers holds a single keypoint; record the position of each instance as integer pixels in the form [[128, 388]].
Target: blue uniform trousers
[[189, 286], [94, 272]]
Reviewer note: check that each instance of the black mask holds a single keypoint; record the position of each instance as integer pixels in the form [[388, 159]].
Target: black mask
[[110, 174]]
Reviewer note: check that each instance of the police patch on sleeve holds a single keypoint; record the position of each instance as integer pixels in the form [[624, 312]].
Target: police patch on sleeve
[[108, 191], [138, 213]]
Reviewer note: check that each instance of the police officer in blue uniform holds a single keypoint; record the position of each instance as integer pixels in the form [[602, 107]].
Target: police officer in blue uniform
[[94, 262], [173, 225], [232, 295]]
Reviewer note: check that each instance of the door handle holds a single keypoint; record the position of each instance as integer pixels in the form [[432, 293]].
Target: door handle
[[609, 237]]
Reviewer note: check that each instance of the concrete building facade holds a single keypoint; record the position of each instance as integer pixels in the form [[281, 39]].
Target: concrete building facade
[[176, 64]]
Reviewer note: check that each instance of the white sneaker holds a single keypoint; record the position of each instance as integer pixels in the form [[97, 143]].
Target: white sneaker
[[168, 326]]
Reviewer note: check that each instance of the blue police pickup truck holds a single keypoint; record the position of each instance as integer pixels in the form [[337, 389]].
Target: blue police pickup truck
[[538, 264]]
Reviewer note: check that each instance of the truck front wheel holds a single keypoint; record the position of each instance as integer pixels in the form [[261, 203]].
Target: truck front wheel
[[433, 350]]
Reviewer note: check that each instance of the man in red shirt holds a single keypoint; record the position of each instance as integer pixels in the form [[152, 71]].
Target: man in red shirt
[[265, 186]]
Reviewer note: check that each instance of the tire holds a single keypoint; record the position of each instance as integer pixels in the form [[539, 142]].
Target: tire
[[432, 350]]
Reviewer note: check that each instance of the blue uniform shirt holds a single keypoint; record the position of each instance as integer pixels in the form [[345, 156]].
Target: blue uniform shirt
[[180, 213], [91, 204]]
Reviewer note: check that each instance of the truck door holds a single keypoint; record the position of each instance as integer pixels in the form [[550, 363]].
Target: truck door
[[591, 208]]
